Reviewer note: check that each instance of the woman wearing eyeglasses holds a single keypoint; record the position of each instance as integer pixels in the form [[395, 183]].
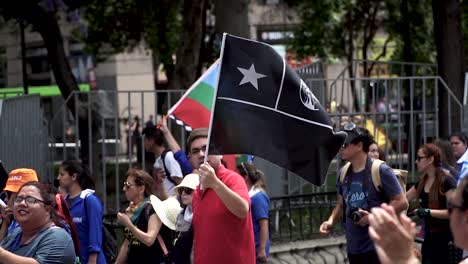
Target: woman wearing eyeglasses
[[41, 237], [142, 224], [16, 179], [260, 208], [184, 241], [85, 208], [394, 235], [432, 190]]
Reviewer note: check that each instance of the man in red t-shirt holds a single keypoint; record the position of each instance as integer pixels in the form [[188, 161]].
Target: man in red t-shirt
[[223, 231]]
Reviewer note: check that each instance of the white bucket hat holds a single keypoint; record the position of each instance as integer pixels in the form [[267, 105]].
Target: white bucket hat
[[166, 210], [190, 181]]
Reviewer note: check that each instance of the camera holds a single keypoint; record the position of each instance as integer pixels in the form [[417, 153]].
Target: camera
[[354, 214]]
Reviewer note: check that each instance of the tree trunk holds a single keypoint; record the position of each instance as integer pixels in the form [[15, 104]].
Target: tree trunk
[[47, 25], [350, 58], [188, 52], [407, 51], [406, 72], [451, 65], [232, 17], [203, 49], [187, 55]]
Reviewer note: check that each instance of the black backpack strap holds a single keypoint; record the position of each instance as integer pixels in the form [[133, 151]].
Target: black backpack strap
[[168, 174], [347, 181]]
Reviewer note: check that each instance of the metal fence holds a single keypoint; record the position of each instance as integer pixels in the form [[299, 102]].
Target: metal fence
[[299, 217], [23, 134], [401, 112], [113, 148], [402, 125]]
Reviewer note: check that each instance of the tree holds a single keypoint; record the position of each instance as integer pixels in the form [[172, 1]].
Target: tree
[[232, 17], [166, 27], [189, 44], [340, 29], [42, 16], [448, 37], [413, 32]]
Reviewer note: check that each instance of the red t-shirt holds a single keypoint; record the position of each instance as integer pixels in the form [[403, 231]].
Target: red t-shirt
[[219, 235]]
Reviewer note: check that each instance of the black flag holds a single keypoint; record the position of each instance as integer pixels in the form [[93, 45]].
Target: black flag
[[264, 109]]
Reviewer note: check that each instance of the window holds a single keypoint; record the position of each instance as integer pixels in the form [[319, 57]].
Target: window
[[37, 65]]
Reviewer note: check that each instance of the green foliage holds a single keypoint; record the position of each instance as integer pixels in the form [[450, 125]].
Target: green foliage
[[336, 28], [464, 24], [321, 32], [421, 31], [115, 25]]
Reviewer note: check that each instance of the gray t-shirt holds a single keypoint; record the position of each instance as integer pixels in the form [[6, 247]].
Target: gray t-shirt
[[54, 245]]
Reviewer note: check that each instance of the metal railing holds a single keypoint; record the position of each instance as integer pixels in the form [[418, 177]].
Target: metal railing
[[400, 126], [380, 70], [299, 217], [111, 149]]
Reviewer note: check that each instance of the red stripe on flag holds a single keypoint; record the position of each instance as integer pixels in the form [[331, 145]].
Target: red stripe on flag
[[192, 113]]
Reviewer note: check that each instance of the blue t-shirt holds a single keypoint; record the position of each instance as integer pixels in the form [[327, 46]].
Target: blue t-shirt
[[260, 207], [357, 237], [88, 224]]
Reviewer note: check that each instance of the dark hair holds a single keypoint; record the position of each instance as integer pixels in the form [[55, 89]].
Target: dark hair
[[255, 176], [446, 155], [224, 163], [82, 173], [461, 136], [60, 218], [48, 196], [142, 178], [195, 134], [379, 150], [365, 137], [431, 150], [382, 154], [155, 134]]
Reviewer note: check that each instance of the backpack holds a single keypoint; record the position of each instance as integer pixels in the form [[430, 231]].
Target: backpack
[[168, 173], [109, 240], [402, 175]]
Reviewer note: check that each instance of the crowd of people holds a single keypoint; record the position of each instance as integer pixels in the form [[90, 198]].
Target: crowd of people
[[183, 210], [189, 208], [374, 215]]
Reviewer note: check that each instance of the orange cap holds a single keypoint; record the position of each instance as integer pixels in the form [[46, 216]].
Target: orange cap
[[18, 177]]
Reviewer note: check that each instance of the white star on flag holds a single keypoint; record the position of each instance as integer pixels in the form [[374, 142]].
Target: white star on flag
[[250, 76]]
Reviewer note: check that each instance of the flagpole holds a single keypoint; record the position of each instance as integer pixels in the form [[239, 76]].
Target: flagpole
[[214, 102]]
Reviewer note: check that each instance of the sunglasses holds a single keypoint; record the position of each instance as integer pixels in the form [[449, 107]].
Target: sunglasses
[[128, 184], [352, 130], [451, 206], [187, 191], [349, 126], [419, 158]]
